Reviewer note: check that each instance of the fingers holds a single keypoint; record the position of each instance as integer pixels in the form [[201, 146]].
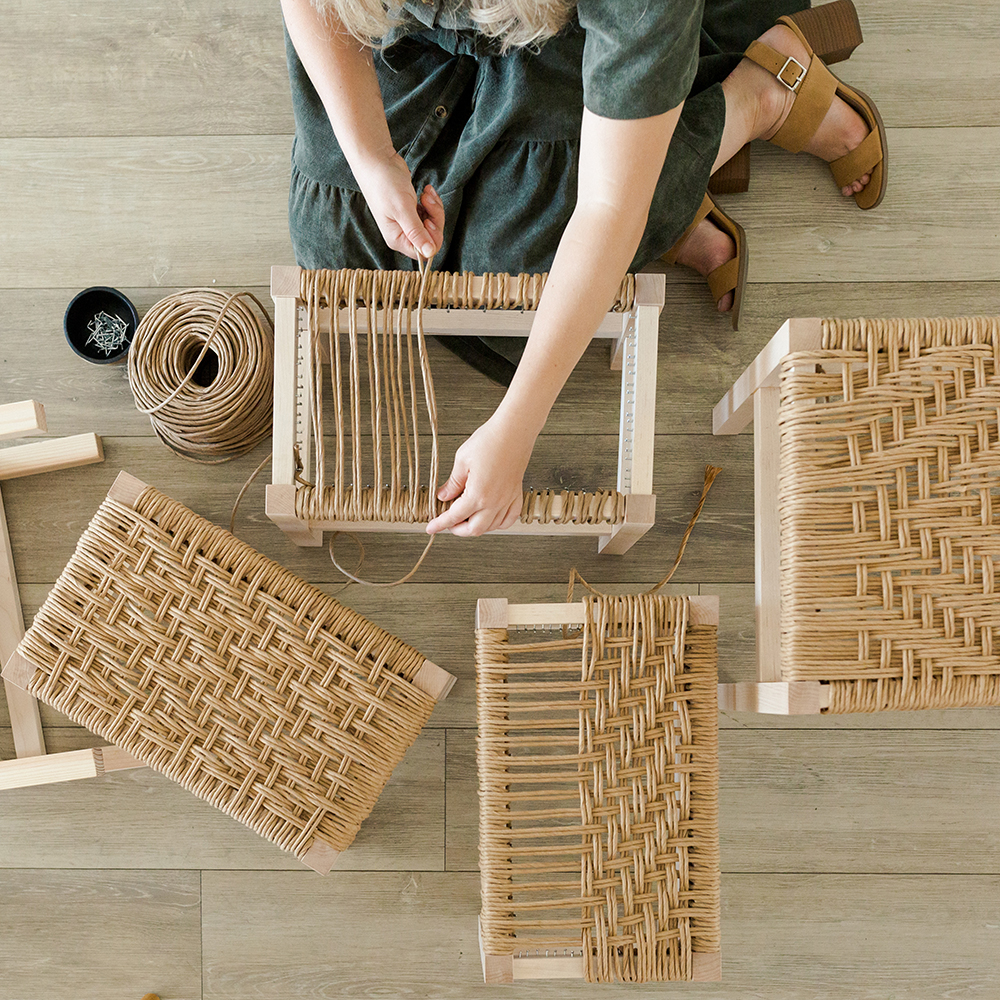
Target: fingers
[[415, 232], [432, 211], [455, 514], [454, 487], [467, 520]]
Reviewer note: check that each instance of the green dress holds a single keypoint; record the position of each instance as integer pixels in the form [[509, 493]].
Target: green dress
[[498, 135]]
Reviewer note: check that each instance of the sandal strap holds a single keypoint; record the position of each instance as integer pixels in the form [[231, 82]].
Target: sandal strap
[[861, 160], [703, 210], [724, 278], [814, 88]]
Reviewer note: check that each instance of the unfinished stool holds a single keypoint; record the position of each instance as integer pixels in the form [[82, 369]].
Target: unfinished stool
[[225, 672], [365, 328], [598, 785], [876, 466]]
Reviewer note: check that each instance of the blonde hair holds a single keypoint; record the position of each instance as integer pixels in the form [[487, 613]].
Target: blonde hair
[[515, 23]]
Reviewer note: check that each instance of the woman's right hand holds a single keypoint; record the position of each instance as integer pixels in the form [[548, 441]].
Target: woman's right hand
[[410, 226]]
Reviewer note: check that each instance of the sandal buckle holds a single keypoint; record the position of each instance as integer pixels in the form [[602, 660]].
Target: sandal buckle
[[796, 83]]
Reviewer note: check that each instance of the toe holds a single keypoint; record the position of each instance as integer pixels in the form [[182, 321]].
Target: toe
[[726, 302]]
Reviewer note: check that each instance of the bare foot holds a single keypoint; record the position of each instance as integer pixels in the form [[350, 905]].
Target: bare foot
[[707, 248], [841, 130]]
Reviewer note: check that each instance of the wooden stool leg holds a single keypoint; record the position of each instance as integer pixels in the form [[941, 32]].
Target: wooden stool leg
[[770, 694], [25, 723]]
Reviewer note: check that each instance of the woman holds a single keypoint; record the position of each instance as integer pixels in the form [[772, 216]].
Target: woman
[[577, 138]]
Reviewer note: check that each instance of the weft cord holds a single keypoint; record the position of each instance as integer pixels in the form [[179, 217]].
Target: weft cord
[[230, 415], [711, 472]]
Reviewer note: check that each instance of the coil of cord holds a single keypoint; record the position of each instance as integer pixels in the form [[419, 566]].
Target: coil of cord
[[201, 366]]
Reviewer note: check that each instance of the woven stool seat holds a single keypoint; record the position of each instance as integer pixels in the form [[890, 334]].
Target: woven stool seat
[[217, 667], [598, 783], [889, 447]]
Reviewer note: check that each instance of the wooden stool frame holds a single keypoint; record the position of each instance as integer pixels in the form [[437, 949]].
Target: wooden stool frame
[[527, 963], [822, 404], [227, 673], [32, 765], [633, 337], [755, 396]]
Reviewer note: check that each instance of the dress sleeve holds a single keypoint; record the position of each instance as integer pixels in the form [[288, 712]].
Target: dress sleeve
[[639, 56]]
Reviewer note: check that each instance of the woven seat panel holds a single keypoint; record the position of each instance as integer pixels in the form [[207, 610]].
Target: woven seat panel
[[217, 667], [890, 472], [538, 506], [598, 784]]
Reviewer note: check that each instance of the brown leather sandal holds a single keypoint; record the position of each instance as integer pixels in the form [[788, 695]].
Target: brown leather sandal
[[834, 32], [815, 88], [728, 277]]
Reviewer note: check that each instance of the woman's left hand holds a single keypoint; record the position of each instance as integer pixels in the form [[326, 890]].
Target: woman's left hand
[[485, 482]]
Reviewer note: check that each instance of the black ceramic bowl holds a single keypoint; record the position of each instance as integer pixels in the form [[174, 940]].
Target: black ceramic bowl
[[95, 316]]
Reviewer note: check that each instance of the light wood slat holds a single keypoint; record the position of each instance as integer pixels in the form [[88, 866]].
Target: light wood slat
[[22, 710], [45, 524], [111, 206], [100, 935], [824, 801], [699, 356], [23, 418], [157, 824], [786, 937], [50, 455], [207, 71], [801, 228], [148, 67]]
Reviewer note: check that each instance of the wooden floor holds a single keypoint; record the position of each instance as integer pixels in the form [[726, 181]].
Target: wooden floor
[[146, 146]]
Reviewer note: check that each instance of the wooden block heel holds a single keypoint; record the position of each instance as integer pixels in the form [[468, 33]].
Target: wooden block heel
[[833, 30], [733, 177]]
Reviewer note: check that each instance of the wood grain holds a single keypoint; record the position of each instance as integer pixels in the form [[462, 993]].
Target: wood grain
[[157, 824], [112, 205], [146, 146], [786, 937], [214, 69], [100, 935], [888, 802]]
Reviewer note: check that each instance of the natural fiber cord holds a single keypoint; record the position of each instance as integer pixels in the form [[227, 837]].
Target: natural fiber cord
[[231, 414], [598, 778], [217, 667], [890, 467]]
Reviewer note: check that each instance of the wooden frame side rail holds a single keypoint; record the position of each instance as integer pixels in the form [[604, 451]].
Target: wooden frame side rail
[[756, 396], [634, 348]]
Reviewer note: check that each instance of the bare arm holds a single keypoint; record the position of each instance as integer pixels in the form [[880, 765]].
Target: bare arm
[[343, 73], [620, 162]]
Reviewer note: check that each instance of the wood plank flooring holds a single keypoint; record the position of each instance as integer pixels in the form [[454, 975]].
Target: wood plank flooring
[[146, 146]]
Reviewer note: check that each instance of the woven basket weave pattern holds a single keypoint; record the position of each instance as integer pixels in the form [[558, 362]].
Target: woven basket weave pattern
[[598, 772], [890, 467], [216, 666]]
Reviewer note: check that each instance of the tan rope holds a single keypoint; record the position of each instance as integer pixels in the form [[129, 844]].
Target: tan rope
[[380, 370], [221, 669], [390, 299], [889, 516], [711, 472], [230, 416]]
